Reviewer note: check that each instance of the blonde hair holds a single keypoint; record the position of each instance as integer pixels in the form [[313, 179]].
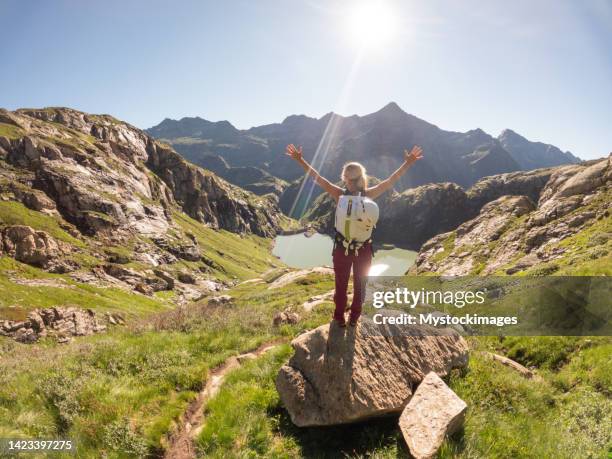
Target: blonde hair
[[355, 173]]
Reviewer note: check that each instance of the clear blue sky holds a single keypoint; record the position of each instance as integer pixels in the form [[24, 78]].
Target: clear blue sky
[[542, 68]]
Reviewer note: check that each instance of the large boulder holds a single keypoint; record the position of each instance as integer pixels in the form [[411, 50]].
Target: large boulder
[[433, 412], [36, 248], [342, 375]]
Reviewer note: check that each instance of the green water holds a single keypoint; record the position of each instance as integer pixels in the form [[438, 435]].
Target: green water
[[299, 251]]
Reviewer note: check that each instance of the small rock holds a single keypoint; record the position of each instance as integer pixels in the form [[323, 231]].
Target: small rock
[[433, 412], [285, 317], [524, 371], [36, 320], [166, 277], [220, 300], [118, 258], [25, 335], [186, 278], [15, 326], [143, 288]]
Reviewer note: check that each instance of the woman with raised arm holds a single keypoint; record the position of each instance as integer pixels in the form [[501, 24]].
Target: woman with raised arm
[[352, 253]]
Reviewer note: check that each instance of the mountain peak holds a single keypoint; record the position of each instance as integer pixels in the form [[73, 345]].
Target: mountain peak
[[509, 133], [392, 108]]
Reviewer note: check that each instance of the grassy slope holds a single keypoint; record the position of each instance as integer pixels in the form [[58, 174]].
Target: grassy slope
[[237, 257], [15, 213], [16, 299], [122, 391]]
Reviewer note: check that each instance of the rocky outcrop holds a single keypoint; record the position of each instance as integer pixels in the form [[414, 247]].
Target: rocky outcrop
[[62, 323], [180, 249], [33, 199], [529, 183], [36, 248], [210, 200], [143, 282], [106, 176], [420, 213], [494, 219], [342, 375], [513, 234], [433, 412]]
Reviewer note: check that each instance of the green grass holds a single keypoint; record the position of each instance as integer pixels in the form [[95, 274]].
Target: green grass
[[15, 213], [11, 131], [237, 422], [17, 299], [510, 416], [120, 393], [591, 366], [246, 419], [240, 257], [448, 246]]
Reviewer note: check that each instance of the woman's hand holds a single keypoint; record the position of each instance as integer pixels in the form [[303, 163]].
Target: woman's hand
[[293, 152], [413, 155]]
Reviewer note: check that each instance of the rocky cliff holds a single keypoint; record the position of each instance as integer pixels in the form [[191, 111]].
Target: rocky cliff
[[253, 179], [564, 228], [105, 175]]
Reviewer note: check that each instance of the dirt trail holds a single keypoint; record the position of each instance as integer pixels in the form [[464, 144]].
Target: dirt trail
[[181, 445], [326, 297]]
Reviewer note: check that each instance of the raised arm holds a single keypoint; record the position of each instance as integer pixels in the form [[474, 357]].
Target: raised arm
[[409, 159], [296, 153]]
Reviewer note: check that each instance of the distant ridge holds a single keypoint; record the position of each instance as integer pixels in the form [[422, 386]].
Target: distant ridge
[[377, 140]]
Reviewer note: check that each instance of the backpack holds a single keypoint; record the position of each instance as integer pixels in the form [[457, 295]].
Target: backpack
[[356, 217]]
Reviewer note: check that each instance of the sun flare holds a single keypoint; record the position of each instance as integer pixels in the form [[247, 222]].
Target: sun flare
[[371, 24]]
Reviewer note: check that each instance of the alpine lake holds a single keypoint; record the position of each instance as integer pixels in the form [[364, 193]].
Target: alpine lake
[[301, 251]]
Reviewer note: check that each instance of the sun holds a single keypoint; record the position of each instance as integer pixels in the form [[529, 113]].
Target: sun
[[371, 24]]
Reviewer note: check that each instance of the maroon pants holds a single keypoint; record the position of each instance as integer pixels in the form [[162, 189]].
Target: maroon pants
[[360, 262]]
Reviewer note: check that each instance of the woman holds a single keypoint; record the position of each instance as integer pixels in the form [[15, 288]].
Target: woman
[[355, 181]]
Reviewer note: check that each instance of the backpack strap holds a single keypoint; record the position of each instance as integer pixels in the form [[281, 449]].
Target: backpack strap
[[339, 239]]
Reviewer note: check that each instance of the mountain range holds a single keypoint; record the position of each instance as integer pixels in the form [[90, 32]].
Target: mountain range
[[377, 140]]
